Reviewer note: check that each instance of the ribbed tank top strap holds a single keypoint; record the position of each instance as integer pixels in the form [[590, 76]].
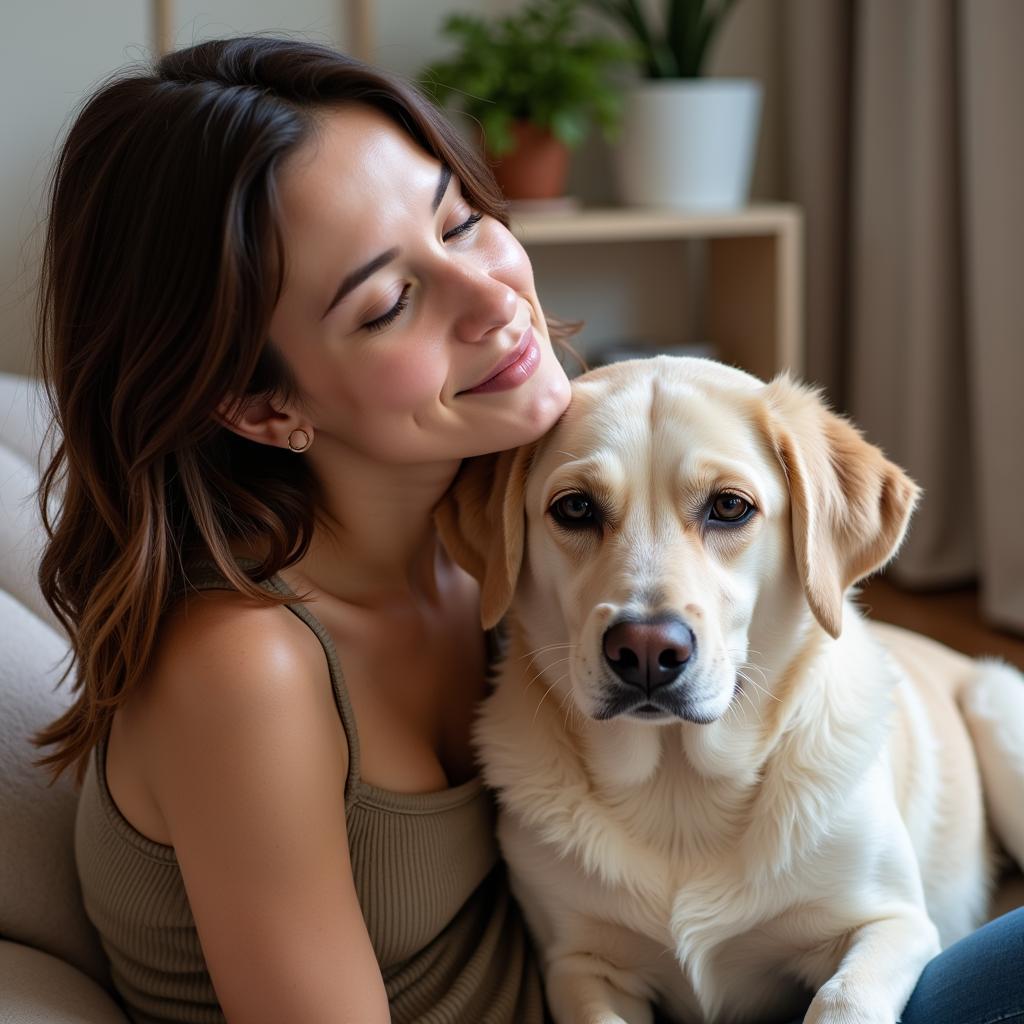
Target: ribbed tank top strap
[[206, 576]]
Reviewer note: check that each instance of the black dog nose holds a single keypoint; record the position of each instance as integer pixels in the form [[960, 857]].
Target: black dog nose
[[649, 654]]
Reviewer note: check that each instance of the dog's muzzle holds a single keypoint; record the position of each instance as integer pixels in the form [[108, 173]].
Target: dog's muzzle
[[650, 658]]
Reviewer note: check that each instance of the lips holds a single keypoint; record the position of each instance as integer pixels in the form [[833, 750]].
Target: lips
[[506, 360]]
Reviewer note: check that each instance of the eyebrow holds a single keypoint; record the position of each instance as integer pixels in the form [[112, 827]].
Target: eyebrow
[[357, 277], [442, 187]]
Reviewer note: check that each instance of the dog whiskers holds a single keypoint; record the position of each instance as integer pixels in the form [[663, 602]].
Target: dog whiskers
[[757, 686], [547, 647], [747, 666], [564, 700], [732, 709], [541, 671], [747, 663], [548, 688], [570, 709], [749, 699], [544, 697]]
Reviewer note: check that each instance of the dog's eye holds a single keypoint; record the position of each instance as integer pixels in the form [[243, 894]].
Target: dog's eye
[[730, 508], [575, 509]]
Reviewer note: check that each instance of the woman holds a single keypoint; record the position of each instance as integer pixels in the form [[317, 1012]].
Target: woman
[[280, 306], [278, 295]]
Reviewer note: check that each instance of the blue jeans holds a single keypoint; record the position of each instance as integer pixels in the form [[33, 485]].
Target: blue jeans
[[978, 980]]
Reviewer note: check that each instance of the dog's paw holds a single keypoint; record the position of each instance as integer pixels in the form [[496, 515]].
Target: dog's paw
[[607, 1015], [624, 1010], [576, 995], [591, 1015], [839, 1003]]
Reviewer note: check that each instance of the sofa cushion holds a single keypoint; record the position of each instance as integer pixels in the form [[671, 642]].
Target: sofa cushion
[[23, 420], [40, 989], [40, 899], [24, 416], [21, 534]]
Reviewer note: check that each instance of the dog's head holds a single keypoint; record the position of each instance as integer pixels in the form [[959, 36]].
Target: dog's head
[[680, 524]]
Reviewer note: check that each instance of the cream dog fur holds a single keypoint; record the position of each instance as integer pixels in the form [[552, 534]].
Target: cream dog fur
[[746, 794]]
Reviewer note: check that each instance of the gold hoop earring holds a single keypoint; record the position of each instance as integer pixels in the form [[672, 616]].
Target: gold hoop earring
[[305, 443]]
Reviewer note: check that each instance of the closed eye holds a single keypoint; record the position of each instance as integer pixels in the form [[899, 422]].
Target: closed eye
[[396, 310], [467, 225], [392, 314]]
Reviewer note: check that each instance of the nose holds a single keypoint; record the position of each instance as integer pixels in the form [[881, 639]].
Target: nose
[[482, 304], [649, 654]]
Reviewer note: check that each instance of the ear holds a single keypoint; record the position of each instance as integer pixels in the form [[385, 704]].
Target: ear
[[260, 418], [849, 504], [482, 523]]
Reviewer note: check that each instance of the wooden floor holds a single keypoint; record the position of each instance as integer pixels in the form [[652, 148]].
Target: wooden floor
[[951, 616]]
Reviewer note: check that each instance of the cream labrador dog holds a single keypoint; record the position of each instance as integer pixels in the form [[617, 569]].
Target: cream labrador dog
[[723, 791]]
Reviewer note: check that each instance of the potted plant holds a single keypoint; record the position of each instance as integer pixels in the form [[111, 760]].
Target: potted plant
[[534, 84], [687, 141]]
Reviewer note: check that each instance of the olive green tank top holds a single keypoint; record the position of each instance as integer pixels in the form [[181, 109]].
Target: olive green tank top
[[450, 941]]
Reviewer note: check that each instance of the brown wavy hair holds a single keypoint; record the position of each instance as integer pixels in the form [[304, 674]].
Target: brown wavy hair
[[162, 265]]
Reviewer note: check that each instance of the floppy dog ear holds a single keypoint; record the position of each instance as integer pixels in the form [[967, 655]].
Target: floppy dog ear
[[850, 505], [482, 522]]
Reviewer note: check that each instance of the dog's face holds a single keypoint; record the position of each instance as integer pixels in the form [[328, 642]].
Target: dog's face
[[654, 516], [673, 535]]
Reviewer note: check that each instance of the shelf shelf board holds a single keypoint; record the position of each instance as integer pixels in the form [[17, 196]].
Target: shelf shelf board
[[629, 224]]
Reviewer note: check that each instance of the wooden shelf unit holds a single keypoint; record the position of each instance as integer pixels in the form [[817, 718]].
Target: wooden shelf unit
[[755, 271]]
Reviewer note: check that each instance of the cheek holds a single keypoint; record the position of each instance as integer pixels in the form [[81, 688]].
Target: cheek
[[754, 577], [403, 379], [387, 378], [566, 586], [548, 576]]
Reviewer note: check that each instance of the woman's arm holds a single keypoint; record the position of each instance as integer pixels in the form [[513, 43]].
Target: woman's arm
[[247, 760]]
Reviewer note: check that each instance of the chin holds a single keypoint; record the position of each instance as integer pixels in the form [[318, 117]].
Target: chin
[[525, 414], [548, 400]]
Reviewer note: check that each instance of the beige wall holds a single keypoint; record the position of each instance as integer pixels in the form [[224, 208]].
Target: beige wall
[[52, 54], [750, 47]]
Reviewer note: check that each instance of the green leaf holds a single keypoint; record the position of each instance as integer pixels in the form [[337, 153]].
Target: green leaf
[[680, 49], [533, 64], [497, 128], [570, 126]]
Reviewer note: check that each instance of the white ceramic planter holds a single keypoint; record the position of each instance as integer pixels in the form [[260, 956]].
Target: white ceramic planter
[[689, 142]]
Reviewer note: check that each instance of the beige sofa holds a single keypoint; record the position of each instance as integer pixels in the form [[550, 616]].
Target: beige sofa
[[52, 968]]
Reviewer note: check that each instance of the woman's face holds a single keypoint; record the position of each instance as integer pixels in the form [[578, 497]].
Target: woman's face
[[399, 299]]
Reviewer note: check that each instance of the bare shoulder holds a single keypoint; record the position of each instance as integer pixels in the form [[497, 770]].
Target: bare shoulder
[[231, 680], [226, 630], [227, 635]]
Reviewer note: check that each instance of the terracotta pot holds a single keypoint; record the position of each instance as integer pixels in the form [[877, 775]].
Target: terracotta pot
[[536, 168]]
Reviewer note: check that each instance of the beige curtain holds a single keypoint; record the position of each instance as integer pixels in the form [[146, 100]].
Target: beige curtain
[[904, 142]]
